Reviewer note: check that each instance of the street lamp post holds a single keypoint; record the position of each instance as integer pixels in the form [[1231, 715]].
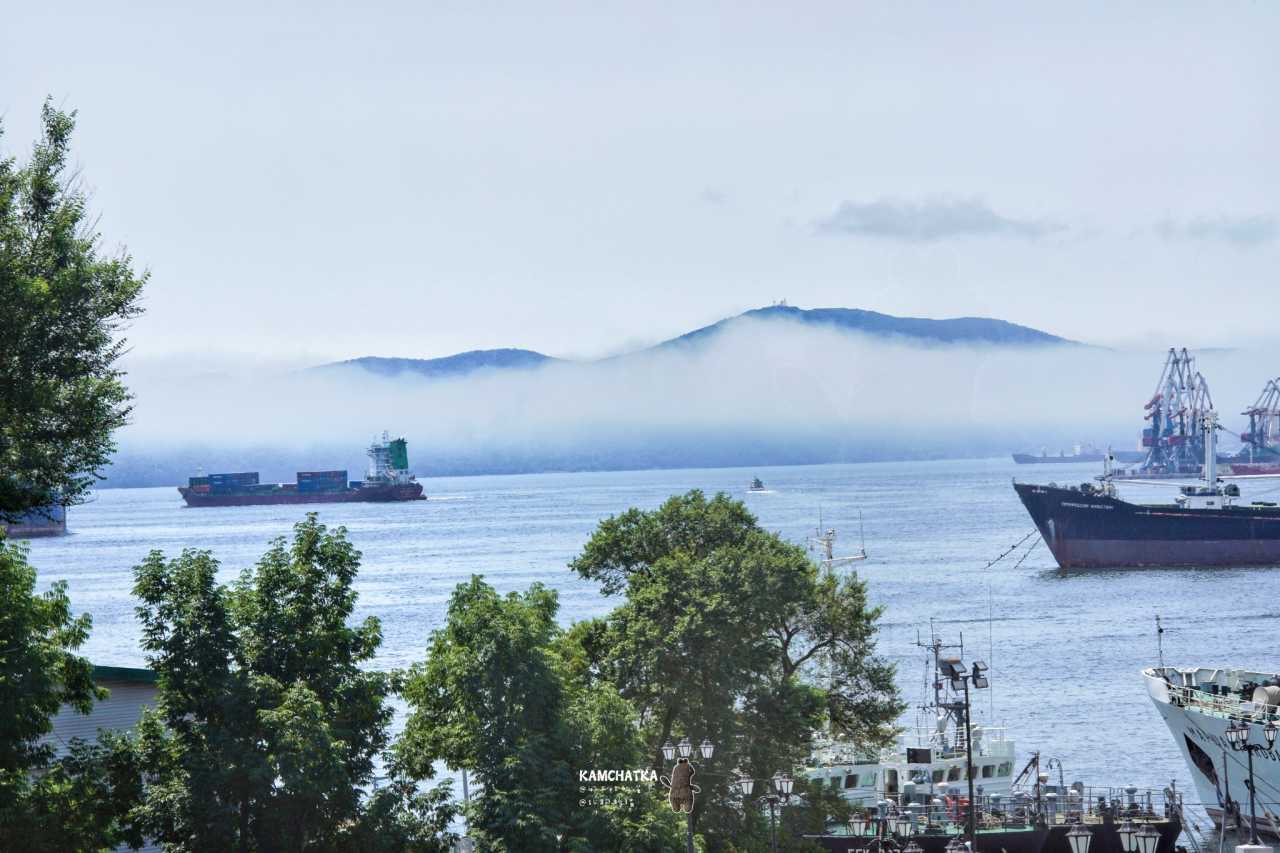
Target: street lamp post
[[685, 749], [1238, 737], [783, 784], [960, 680]]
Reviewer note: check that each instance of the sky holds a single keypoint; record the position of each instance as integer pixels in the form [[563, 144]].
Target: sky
[[315, 181]]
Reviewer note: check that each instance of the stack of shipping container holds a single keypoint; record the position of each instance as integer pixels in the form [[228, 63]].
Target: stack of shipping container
[[232, 482], [322, 481]]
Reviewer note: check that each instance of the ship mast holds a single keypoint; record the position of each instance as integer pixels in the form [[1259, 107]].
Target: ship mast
[[825, 541], [1211, 449]]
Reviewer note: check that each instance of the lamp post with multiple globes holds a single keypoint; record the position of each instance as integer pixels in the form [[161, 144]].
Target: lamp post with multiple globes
[[1238, 737], [783, 784], [685, 749], [885, 827], [1134, 840]]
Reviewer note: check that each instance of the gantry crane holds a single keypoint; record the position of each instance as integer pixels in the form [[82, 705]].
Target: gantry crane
[[1176, 411]]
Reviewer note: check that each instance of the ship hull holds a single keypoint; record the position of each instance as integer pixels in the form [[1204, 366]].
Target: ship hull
[[1119, 456], [1092, 531], [1218, 772], [376, 494], [1030, 839]]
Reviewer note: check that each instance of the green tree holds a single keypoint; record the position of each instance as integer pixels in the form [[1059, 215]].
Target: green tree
[[75, 802], [80, 801], [65, 302], [267, 728], [728, 632], [496, 697]]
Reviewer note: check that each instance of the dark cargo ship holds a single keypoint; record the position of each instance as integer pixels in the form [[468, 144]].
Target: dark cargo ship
[[388, 479], [1078, 454], [1086, 527], [1090, 527]]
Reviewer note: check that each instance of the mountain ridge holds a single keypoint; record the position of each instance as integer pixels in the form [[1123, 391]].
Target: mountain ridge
[[948, 331]]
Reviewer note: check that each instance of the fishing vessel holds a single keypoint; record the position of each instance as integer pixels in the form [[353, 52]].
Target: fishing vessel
[[928, 760], [1089, 526], [388, 479], [1199, 706], [756, 485], [824, 542]]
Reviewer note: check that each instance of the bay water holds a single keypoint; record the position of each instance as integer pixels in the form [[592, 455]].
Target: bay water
[[1065, 650]]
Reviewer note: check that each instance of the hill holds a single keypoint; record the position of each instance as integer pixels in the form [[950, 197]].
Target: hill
[[959, 330], [449, 366]]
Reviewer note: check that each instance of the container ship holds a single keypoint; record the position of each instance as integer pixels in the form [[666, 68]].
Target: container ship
[[388, 479], [1090, 527]]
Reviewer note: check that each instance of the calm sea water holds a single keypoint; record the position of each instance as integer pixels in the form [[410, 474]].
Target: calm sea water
[[1065, 651]]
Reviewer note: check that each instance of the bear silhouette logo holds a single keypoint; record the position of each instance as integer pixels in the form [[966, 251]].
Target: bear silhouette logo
[[681, 787]]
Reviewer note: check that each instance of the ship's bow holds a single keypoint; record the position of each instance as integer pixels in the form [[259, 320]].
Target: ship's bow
[[1039, 505]]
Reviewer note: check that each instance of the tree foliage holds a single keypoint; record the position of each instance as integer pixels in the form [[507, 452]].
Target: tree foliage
[[728, 632], [267, 727], [496, 697], [39, 669], [76, 801], [64, 304]]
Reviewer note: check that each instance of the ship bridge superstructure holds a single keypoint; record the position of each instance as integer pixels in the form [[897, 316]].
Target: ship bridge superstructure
[[389, 462]]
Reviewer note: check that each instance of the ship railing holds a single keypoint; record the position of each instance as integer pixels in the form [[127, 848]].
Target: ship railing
[[924, 737], [1078, 803], [1229, 707]]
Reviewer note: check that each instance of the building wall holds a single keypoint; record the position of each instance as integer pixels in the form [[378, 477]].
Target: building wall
[[121, 711]]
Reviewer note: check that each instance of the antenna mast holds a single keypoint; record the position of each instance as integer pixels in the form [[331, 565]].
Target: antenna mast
[[1160, 640]]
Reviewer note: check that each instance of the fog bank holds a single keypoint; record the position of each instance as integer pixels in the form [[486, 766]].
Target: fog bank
[[760, 393]]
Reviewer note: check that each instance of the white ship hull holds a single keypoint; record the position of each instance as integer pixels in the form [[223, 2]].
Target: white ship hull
[[1198, 721]]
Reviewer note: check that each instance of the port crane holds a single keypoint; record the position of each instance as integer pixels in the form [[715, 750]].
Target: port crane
[[1264, 422], [1176, 411]]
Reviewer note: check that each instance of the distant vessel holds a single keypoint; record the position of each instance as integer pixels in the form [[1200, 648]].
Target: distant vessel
[[757, 485], [824, 542], [1079, 453], [387, 480], [43, 521], [1198, 706], [1089, 526]]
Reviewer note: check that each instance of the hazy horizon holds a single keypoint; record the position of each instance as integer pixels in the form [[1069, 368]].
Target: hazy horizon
[[759, 391]]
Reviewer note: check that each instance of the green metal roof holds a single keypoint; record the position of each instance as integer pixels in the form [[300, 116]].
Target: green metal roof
[[124, 673]]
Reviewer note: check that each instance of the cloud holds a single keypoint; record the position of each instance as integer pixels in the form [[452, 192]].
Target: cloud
[[1246, 232], [714, 196], [927, 221]]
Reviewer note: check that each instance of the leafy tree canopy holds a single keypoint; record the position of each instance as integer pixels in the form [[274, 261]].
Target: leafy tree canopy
[[726, 631], [268, 728], [76, 801], [496, 697], [64, 304], [39, 669]]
